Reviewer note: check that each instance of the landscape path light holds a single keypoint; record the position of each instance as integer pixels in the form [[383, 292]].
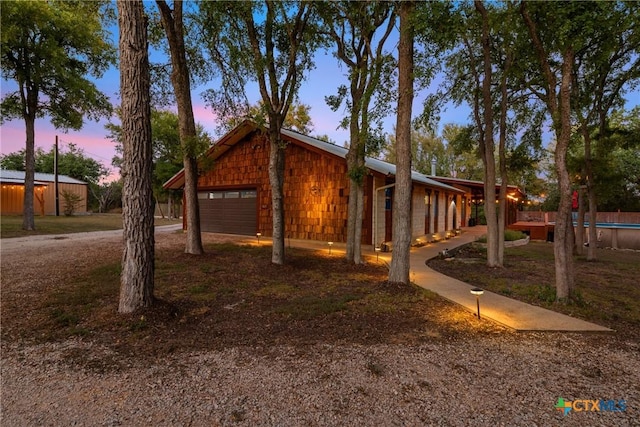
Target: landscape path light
[[258, 234], [330, 244], [377, 249], [477, 292]]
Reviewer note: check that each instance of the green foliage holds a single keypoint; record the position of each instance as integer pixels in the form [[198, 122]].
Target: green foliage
[[359, 32], [271, 43], [48, 49], [509, 236], [71, 202], [297, 118], [454, 152], [167, 150], [72, 162], [512, 235]]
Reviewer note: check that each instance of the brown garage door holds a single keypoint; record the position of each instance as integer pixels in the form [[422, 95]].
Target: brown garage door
[[230, 211]]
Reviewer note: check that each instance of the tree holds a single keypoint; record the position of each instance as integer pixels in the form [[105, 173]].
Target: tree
[[47, 49], [399, 269], [271, 43], [557, 32], [353, 28], [172, 22], [107, 194], [484, 73], [298, 117], [462, 159], [600, 78], [136, 280]]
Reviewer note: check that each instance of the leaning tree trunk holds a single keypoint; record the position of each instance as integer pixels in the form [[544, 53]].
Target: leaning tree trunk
[[399, 269], [136, 280], [174, 29], [559, 108]]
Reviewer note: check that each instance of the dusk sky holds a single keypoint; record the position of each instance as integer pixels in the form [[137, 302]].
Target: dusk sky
[[320, 82]]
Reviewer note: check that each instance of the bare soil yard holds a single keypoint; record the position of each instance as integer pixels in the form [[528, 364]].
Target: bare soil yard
[[235, 340]]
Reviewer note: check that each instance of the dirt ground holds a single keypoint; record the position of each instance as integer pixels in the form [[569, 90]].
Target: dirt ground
[[220, 356], [46, 298]]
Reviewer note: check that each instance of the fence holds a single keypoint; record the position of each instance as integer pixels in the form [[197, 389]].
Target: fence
[[604, 217]]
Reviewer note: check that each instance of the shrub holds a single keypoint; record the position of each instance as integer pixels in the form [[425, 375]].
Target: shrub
[[509, 236], [71, 202]]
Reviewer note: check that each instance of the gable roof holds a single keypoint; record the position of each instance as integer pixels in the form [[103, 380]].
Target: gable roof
[[248, 126], [17, 178]]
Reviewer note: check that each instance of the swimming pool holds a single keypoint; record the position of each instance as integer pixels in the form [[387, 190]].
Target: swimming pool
[[616, 235]]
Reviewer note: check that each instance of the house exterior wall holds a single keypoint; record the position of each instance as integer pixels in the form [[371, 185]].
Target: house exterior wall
[[12, 198], [316, 188], [417, 212], [379, 220]]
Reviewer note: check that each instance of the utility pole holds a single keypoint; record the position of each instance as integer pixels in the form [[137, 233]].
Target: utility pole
[[55, 180]]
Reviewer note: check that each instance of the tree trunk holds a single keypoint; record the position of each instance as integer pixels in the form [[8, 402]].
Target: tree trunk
[[28, 221], [399, 269], [136, 280], [593, 232], [580, 222], [276, 179], [352, 204], [504, 179], [558, 106], [174, 29], [563, 236], [591, 199], [355, 165], [487, 146]]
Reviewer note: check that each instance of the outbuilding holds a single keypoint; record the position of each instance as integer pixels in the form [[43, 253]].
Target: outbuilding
[[235, 197], [12, 195]]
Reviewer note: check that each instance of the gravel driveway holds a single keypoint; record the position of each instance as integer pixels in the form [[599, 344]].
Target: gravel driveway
[[507, 379]]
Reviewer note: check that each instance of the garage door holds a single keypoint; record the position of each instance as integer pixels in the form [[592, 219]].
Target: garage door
[[231, 211]]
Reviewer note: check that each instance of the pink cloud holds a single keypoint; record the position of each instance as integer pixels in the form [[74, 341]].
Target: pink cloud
[[92, 138]]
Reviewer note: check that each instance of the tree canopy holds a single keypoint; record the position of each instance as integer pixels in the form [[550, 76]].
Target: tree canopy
[[49, 49]]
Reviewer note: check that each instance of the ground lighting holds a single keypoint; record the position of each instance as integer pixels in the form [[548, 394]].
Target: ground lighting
[[477, 292], [258, 237], [330, 244]]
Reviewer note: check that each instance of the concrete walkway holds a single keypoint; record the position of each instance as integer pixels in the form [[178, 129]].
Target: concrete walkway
[[507, 311]]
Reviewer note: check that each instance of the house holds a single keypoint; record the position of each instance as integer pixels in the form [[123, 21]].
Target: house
[[475, 198], [234, 194], [12, 194]]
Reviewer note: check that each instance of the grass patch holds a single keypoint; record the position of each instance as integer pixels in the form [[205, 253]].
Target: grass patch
[[606, 291], [11, 225], [509, 236], [310, 306], [234, 296]]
